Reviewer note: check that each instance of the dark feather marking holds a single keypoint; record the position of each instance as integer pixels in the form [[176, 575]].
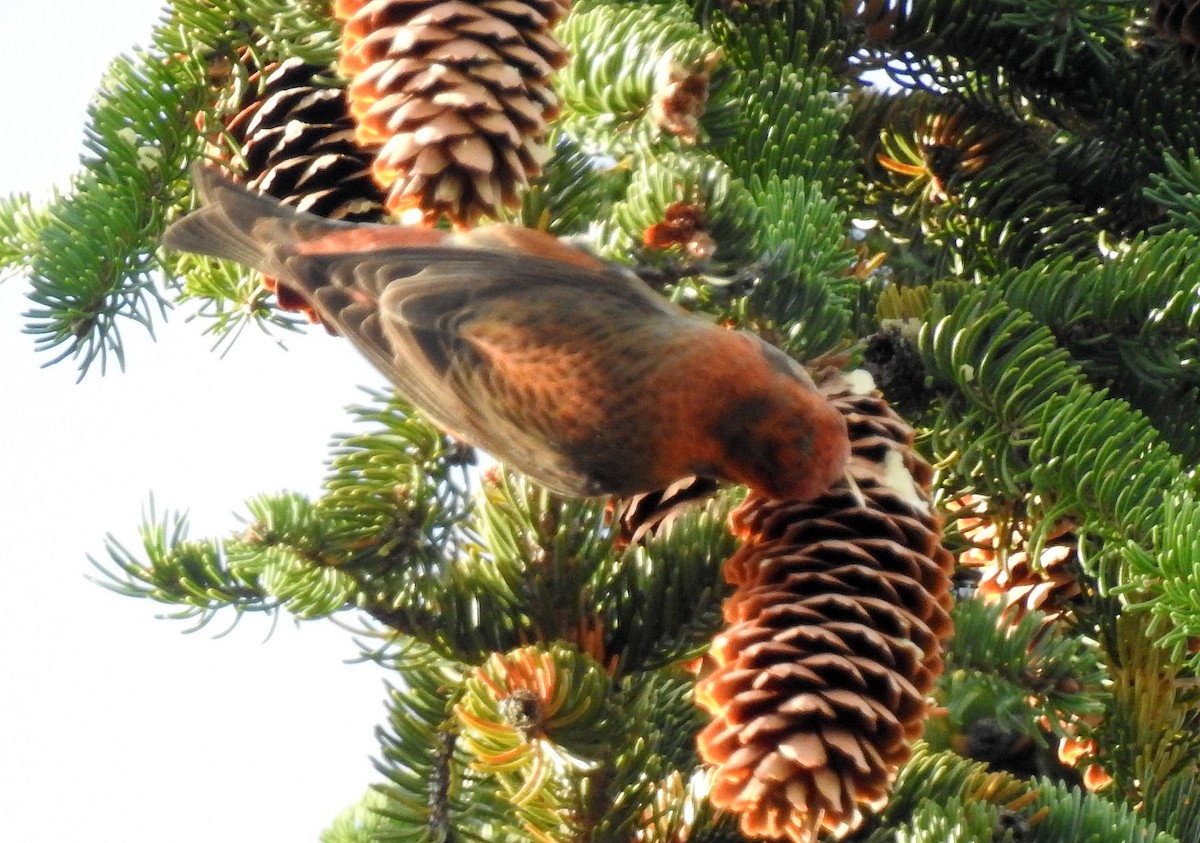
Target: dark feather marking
[[438, 352], [735, 431], [371, 330], [332, 301]]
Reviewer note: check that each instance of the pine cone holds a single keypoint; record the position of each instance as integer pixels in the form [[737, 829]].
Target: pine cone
[[834, 637], [297, 140], [1011, 751], [1179, 21], [1050, 587], [455, 95], [641, 516], [289, 135], [880, 441], [892, 358], [295, 135], [1008, 576]]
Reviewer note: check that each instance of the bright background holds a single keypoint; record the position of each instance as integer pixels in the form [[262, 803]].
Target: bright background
[[114, 725]]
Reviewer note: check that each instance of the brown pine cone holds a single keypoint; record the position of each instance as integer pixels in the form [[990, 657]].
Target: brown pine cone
[[455, 96], [297, 140], [834, 637], [288, 134]]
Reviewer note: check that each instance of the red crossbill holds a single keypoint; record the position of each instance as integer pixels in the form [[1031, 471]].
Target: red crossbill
[[562, 365]]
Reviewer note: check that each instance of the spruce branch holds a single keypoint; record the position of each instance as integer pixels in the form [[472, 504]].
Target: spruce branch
[[1027, 676], [1036, 425], [1028, 200], [194, 575]]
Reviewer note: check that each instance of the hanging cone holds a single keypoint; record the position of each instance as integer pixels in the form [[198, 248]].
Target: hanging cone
[[289, 135], [298, 143], [1049, 587], [834, 637], [1007, 575], [641, 516], [294, 137], [455, 96]]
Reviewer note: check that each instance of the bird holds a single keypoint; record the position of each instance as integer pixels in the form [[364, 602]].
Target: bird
[[558, 363]]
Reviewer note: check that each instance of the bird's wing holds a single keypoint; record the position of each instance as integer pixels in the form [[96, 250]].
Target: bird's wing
[[417, 314]]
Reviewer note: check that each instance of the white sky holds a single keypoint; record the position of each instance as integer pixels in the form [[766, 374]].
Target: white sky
[[115, 726]]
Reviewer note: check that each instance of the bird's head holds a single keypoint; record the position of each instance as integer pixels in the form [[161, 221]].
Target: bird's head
[[781, 437]]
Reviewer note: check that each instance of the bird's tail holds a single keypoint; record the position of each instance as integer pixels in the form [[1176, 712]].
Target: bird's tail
[[237, 224]]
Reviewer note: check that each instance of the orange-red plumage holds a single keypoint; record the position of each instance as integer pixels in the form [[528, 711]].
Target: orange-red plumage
[[560, 364]]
